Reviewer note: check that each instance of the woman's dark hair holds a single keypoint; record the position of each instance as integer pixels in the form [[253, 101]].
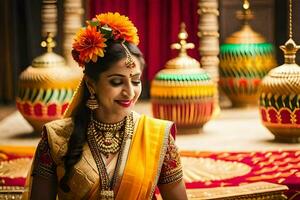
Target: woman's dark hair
[[114, 52]]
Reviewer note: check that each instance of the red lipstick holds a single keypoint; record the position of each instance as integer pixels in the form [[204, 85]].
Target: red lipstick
[[124, 103]]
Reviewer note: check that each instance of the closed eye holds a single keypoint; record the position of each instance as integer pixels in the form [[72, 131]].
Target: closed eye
[[136, 82], [116, 82]]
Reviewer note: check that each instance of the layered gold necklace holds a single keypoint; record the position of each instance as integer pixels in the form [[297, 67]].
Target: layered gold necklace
[[101, 141], [108, 136]]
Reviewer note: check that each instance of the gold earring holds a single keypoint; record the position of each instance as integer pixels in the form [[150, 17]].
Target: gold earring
[[92, 103]]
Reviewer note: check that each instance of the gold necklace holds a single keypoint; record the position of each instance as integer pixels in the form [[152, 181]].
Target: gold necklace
[[108, 137], [106, 187]]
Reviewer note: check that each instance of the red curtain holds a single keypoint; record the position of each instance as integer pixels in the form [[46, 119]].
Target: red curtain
[[158, 23]]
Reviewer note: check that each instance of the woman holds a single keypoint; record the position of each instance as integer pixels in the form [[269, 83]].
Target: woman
[[102, 149]]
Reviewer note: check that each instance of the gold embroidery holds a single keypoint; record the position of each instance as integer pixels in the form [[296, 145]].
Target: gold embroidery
[[15, 168], [207, 169], [171, 170], [253, 191], [107, 194]]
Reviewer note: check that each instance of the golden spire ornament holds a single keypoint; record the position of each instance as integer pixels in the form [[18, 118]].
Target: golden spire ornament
[[183, 92], [245, 59], [280, 94]]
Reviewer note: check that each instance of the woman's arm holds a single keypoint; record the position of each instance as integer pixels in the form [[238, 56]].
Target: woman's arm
[[170, 183], [173, 191], [44, 179], [43, 188]]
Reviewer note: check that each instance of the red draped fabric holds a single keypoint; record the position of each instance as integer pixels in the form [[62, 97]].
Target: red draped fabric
[[158, 23]]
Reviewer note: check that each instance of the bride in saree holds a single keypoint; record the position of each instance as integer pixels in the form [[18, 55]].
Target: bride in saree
[[102, 149]]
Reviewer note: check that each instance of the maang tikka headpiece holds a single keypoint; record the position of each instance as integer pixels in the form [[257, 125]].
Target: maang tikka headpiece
[[90, 41], [129, 63]]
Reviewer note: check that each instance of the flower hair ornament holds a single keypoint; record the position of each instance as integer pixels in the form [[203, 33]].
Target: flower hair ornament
[[90, 41]]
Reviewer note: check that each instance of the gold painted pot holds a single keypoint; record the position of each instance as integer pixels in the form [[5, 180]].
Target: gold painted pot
[[45, 89], [280, 97], [183, 92]]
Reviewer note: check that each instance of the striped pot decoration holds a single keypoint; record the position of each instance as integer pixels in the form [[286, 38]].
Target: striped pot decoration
[[183, 96], [45, 89], [245, 59], [280, 97], [242, 67]]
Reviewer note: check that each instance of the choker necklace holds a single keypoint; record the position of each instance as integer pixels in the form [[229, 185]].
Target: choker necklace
[[108, 137]]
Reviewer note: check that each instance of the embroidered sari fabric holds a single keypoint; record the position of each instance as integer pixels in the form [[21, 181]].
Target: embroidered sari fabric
[[165, 160]]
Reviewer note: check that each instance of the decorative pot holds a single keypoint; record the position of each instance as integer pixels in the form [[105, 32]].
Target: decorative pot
[[245, 59], [280, 97], [45, 88], [183, 92]]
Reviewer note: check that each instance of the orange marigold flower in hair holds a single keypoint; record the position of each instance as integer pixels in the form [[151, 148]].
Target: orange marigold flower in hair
[[122, 27], [88, 44]]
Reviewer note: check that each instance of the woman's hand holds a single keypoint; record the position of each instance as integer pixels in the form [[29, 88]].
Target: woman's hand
[[173, 191]]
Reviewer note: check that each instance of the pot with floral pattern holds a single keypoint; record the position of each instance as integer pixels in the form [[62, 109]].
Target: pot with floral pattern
[[280, 97], [183, 92], [46, 87]]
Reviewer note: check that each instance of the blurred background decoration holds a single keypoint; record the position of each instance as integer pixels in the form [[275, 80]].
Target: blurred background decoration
[[183, 92], [46, 87], [209, 48], [280, 94], [21, 22], [245, 59]]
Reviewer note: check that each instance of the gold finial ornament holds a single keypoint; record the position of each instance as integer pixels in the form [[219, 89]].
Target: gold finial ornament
[[183, 92], [290, 49], [246, 5], [245, 59], [246, 14], [49, 42], [182, 46], [280, 94]]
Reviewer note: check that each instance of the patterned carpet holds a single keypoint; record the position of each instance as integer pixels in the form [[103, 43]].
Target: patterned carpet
[[219, 169], [201, 169]]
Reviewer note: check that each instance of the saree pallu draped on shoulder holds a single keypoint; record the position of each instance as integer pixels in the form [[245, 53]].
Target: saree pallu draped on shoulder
[[145, 159]]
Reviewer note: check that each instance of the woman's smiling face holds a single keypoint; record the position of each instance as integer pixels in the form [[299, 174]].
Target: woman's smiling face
[[117, 90]]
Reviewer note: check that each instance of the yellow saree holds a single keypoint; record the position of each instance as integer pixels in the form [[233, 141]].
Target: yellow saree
[[145, 159], [140, 165]]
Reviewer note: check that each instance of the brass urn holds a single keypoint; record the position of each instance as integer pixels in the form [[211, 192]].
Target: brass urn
[[245, 59], [280, 97], [183, 92], [46, 87]]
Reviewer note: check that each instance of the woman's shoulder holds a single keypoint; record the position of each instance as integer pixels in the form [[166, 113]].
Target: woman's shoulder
[[60, 123], [61, 127], [58, 134]]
